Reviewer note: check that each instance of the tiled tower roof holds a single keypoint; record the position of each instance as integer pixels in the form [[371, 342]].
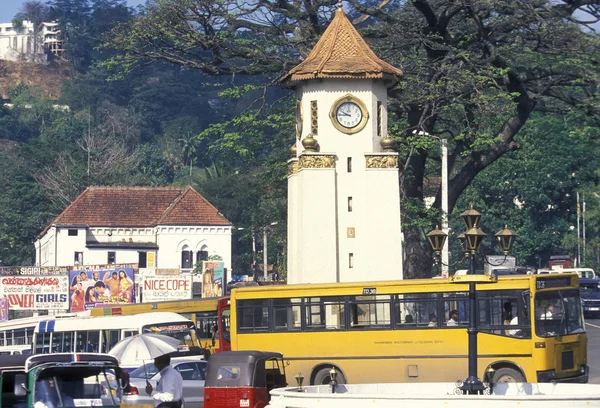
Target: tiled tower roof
[[341, 53]]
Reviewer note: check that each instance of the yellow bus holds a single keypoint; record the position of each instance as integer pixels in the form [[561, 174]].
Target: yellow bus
[[203, 312], [402, 331]]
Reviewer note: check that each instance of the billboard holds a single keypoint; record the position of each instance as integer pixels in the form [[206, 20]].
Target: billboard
[[213, 279], [90, 288], [163, 288], [26, 292]]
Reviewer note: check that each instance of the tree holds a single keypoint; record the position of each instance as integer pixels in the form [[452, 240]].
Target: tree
[[534, 190], [475, 71]]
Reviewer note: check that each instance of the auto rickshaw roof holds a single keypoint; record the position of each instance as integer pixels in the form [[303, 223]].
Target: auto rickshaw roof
[[26, 362], [249, 366]]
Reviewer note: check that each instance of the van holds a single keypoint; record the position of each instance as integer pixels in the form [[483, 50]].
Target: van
[[583, 273], [12, 350]]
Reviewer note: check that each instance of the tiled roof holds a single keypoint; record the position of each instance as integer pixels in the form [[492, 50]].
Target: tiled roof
[[140, 207], [341, 53]]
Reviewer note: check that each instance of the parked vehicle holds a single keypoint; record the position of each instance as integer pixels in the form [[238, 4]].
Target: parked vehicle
[[191, 368], [242, 378], [589, 290], [68, 380], [586, 273]]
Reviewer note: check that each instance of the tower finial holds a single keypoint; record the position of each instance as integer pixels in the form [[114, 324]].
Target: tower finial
[[339, 4]]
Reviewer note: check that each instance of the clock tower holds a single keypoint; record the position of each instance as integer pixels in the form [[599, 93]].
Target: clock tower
[[343, 188]]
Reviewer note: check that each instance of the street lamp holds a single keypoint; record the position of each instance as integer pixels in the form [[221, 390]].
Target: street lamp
[[470, 242]]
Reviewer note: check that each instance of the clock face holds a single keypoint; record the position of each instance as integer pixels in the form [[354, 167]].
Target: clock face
[[349, 115]]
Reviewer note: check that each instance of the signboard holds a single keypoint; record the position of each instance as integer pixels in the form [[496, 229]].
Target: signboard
[[90, 288], [173, 271], [33, 270], [35, 292], [163, 288], [213, 279]]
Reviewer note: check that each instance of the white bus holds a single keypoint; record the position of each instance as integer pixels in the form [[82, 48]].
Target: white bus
[[12, 350], [100, 334], [19, 332]]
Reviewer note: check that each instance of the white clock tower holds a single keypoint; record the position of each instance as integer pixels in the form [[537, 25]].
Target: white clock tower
[[343, 190]]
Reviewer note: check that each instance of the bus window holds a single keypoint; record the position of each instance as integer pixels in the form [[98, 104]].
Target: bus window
[[254, 316], [416, 310], [287, 314], [88, 341], [325, 313], [497, 309], [458, 301], [20, 337], [129, 333], [370, 312], [62, 342], [42, 343], [111, 338], [205, 323]]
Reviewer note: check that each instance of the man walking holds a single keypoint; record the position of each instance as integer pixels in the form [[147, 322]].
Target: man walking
[[169, 390]]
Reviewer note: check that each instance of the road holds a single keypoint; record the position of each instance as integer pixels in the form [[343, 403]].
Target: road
[[593, 329]]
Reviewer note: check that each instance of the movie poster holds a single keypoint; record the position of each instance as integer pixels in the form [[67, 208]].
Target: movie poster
[[90, 288], [213, 279]]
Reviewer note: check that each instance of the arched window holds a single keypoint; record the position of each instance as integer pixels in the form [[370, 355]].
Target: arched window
[[187, 259], [202, 255]]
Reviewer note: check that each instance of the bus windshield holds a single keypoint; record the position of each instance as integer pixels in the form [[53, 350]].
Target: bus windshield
[[558, 313], [76, 387], [178, 330]]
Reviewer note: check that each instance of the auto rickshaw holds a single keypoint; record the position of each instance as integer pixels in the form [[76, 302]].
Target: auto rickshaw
[[242, 378]]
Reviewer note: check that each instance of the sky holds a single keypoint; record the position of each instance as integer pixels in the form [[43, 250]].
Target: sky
[[8, 8]]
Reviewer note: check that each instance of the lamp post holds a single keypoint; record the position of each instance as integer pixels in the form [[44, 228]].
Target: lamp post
[[265, 269], [470, 242]]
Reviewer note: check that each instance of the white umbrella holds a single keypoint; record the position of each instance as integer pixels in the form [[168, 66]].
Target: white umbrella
[[145, 346]]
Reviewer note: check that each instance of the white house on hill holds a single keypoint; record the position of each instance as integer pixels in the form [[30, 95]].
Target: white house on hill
[[156, 227]]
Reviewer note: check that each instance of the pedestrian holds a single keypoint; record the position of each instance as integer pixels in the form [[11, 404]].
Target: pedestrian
[[169, 390]]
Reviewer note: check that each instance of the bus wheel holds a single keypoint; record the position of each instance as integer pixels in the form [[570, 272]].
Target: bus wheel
[[322, 377], [507, 375]]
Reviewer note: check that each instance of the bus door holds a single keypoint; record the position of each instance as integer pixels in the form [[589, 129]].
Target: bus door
[[224, 326]]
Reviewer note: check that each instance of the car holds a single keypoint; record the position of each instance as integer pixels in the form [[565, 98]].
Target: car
[[191, 368], [590, 296]]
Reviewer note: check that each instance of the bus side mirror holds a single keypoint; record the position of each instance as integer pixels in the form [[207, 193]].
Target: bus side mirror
[[20, 385]]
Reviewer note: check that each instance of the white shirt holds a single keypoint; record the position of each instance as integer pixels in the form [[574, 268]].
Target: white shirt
[[451, 322], [514, 322], [169, 387]]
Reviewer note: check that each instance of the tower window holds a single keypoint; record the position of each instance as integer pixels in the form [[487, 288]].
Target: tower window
[[314, 122], [350, 260], [349, 204], [379, 121], [73, 232], [349, 164]]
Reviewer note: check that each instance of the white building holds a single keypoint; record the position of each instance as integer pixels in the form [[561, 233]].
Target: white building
[[24, 44], [343, 190], [156, 227]]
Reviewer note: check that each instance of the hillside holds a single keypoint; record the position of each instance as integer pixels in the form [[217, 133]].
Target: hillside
[[45, 77]]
